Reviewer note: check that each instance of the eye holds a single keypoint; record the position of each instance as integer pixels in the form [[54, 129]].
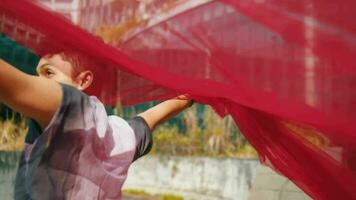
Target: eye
[[48, 73]]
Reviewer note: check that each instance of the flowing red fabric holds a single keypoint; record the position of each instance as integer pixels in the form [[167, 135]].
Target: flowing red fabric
[[285, 70]]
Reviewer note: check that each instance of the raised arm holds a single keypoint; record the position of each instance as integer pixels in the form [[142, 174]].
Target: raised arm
[[165, 110], [33, 96]]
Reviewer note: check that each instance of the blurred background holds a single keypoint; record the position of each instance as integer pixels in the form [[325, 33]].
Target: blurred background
[[196, 155]]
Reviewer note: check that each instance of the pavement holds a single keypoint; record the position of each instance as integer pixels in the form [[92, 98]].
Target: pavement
[[268, 185]]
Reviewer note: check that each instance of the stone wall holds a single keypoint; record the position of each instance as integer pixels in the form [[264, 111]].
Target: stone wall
[[194, 178], [210, 179]]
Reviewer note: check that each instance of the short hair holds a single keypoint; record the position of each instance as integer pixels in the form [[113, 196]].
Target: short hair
[[101, 75], [79, 62]]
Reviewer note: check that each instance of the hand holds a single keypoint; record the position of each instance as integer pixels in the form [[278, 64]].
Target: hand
[[186, 97]]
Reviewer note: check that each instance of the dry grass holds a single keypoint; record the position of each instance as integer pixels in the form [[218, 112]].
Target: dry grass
[[208, 136], [143, 195], [12, 135], [212, 136]]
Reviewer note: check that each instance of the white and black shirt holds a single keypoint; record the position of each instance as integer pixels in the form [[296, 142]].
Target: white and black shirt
[[82, 154]]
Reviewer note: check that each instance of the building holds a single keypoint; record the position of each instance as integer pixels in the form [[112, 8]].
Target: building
[[85, 13]]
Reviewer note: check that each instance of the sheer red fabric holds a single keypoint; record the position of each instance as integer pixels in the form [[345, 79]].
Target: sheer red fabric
[[285, 70]]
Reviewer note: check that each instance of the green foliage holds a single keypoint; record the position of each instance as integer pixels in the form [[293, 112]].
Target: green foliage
[[209, 136], [204, 134], [198, 131]]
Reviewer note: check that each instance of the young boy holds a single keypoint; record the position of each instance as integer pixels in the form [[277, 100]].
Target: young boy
[[81, 153]]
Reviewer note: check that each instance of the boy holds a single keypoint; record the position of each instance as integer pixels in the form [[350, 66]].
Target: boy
[[81, 153]]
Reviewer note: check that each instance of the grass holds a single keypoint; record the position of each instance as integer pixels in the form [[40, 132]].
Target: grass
[[12, 135], [207, 135], [143, 195]]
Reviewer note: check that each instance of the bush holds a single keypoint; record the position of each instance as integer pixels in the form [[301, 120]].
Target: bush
[[12, 135], [210, 136], [204, 134]]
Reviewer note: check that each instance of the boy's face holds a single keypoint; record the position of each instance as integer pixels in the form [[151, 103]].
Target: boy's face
[[57, 69]]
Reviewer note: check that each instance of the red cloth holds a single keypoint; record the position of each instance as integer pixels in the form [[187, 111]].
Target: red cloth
[[285, 70]]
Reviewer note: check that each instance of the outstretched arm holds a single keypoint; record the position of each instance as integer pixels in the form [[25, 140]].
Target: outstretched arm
[[165, 110], [33, 96]]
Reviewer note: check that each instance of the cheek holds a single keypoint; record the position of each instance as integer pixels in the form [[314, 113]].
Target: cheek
[[64, 79]]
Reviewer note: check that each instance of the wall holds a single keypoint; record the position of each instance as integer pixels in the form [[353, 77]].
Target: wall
[[193, 178], [211, 179]]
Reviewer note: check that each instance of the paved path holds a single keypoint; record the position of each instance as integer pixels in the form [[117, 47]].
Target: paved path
[[269, 185]]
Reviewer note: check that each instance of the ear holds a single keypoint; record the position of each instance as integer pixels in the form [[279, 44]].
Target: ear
[[84, 80]]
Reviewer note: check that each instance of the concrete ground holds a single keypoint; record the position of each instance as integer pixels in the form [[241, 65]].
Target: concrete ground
[[268, 185]]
